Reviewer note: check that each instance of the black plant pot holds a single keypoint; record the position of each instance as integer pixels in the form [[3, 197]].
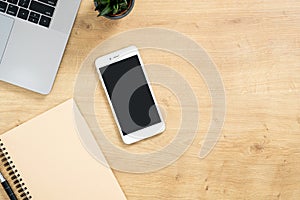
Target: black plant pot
[[121, 14]]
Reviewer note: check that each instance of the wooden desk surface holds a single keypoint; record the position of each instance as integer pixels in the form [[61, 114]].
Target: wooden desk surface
[[256, 46]]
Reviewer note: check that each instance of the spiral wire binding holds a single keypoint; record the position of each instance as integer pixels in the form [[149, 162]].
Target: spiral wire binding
[[16, 180]]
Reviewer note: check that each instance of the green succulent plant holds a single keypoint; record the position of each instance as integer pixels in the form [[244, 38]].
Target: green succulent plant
[[105, 7]]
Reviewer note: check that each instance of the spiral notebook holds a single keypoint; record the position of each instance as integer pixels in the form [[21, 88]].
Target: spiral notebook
[[46, 159]]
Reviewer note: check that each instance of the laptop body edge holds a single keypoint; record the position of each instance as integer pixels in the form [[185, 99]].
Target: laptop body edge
[[33, 54]]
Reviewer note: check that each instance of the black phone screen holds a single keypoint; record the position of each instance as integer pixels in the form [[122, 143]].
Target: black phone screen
[[130, 95]]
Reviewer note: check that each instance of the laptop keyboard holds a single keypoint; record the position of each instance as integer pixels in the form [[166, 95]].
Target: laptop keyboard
[[35, 11]]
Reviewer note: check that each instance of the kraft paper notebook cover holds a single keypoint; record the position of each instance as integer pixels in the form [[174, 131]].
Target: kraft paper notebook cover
[[48, 155]]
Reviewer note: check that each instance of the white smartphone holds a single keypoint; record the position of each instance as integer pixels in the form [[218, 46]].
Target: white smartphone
[[130, 95]]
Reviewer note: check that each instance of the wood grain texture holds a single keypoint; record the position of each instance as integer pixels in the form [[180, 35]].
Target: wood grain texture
[[256, 46]]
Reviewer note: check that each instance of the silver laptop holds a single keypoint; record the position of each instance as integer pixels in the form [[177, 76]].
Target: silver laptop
[[33, 37]]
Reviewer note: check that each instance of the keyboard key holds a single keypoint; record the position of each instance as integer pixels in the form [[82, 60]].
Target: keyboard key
[[3, 6], [23, 14], [45, 21], [12, 10], [24, 3], [50, 2], [41, 8], [34, 17], [13, 1]]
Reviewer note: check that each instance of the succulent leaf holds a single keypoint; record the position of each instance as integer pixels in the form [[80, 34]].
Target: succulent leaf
[[104, 2], [106, 10], [105, 7]]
